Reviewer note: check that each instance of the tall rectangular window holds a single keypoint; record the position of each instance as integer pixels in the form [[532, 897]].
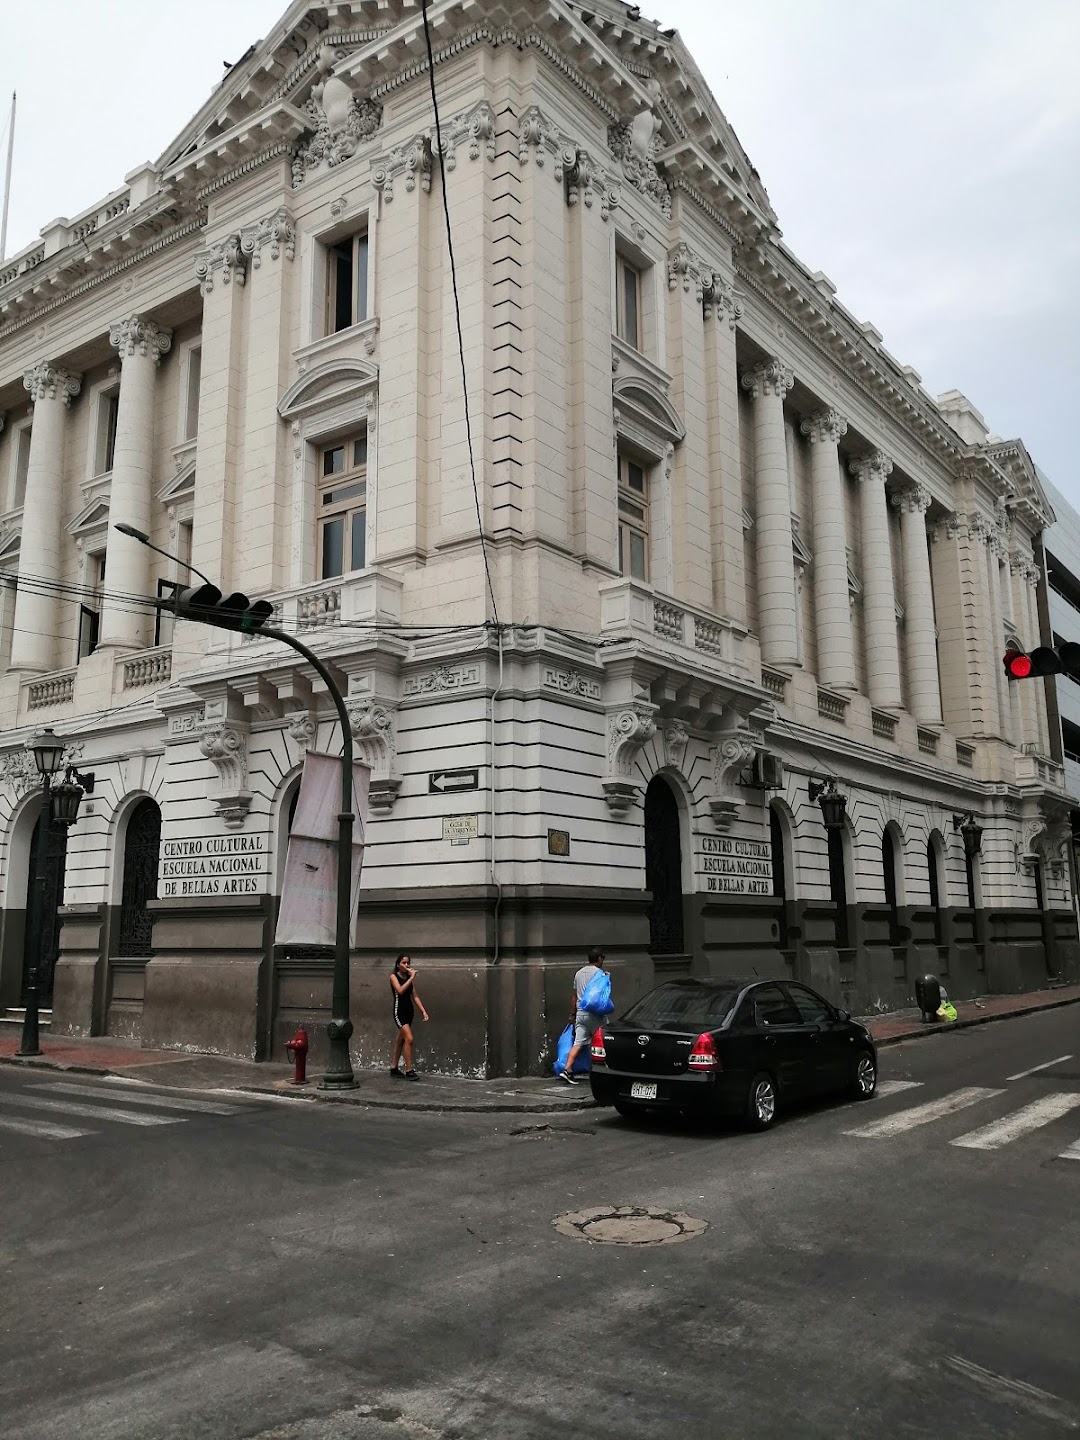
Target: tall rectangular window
[[164, 623], [108, 411], [346, 283], [342, 505], [90, 611], [22, 466], [633, 519], [191, 398], [628, 302]]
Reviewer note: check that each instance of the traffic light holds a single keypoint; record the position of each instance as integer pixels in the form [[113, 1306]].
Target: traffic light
[[1043, 660], [204, 604]]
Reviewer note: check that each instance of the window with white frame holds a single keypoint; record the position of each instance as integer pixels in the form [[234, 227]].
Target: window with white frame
[[633, 519], [342, 506], [90, 609], [105, 445], [22, 467], [628, 316], [346, 282]]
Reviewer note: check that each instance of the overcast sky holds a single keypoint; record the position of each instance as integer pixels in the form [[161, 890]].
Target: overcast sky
[[923, 153]]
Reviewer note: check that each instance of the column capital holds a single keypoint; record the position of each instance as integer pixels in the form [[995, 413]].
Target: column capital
[[911, 498], [872, 468], [771, 377], [686, 265], [225, 256], [46, 381], [721, 299], [137, 335], [824, 427], [276, 231]]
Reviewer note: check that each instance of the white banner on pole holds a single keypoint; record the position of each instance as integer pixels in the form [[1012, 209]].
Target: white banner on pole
[[308, 913]]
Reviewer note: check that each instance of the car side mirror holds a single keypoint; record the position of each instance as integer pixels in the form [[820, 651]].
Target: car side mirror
[[843, 1015]]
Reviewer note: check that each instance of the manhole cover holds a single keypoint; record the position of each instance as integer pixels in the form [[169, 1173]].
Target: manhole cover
[[629, 1225]]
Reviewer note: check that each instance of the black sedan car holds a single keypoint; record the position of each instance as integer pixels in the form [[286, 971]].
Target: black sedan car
[[730, 1047]]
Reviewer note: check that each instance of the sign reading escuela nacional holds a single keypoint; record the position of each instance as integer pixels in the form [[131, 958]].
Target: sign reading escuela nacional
[[213, 865], [738, 867]]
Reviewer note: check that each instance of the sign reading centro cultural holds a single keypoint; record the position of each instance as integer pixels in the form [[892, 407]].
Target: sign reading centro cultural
[[738, 867], [213, 865]]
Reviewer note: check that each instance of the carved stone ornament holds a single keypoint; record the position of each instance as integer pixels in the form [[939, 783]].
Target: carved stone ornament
[[628, 730], [225, 745], [302, 731], [373, 727], [730, 757], [49, 382], [412, 159], [225, 256], [138, 336], [588, 181], [18, 770], [676, 739], [911, 499], [872, 469], [636, 146], [444, 680], [720, 299], [684, 266], [340, 123], [541, 139], [477, 126], [276, 233], [771, 377], [824, 427]]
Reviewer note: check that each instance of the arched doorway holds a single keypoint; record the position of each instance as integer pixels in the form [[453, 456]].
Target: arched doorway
[[663, 868], [889, 876], [778, 839], [838, 890], [935, 871], [142, 845], [42, 940]]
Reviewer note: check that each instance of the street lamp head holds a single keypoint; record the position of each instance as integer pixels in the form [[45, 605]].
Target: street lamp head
[[833, 803], [971, 832], [126, 529], [48, 751], [65, 802]]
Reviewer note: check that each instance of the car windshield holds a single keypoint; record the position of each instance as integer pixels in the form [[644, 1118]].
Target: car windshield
[[682, 1007]]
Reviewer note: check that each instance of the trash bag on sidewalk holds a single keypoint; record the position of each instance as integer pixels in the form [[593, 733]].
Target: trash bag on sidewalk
[[562, 1053], [947, 1011]]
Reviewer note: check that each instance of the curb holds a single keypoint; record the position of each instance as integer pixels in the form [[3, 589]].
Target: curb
[[945, 1028]]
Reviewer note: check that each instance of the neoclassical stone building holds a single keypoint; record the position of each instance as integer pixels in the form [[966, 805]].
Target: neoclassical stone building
[[731, 550]]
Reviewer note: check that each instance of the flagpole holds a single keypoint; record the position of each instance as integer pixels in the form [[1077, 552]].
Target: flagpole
[[7, 181]]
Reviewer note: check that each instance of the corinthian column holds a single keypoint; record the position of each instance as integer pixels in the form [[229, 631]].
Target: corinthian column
[[141, 344], [920, 635], [33, 641], [879, 596], [767, 384], [832, 604]]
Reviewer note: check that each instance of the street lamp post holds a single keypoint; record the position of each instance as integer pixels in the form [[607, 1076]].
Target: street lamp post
[[48, 752]]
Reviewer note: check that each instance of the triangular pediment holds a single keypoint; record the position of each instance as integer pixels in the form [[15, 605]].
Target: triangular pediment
[[182, 484], [9, 546], [93, 516], [1013, 459], [333, 383]]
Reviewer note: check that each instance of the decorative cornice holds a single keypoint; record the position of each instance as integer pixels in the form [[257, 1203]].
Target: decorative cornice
[[683, 264], [276, 232], [873, 468], [137, 335], [771, 377], [911, 499], [226, 256], [49, 382], [272, 152], [824, 427]]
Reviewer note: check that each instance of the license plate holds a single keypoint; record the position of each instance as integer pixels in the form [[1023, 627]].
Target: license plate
[[640, 1091]]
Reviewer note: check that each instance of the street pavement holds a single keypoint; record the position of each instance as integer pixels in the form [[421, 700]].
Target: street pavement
[[182, 1264]]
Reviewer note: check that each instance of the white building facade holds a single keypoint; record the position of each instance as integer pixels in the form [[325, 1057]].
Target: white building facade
[[731, 550]]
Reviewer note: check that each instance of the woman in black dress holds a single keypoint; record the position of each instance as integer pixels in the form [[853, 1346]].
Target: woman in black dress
[[406, 1002]]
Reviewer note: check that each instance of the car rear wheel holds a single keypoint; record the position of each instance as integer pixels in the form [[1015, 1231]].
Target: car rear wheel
[[761, 1102], [864, 1080], [628, 1111]]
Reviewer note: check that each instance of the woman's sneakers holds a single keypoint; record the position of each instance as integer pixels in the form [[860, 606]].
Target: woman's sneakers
[[411, 1075], [395, 1073]]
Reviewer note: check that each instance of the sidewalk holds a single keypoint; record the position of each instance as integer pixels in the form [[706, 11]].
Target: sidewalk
[[529, 1095]]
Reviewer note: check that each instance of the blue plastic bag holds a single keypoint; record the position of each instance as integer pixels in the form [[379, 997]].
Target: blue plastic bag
[[562, 1054], [597, 995]]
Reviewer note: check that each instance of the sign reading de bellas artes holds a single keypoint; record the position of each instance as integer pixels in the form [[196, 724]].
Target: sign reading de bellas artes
[[213, 865], [738, 867]]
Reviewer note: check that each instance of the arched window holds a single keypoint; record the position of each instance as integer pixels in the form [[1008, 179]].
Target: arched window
[[888, 870], [837, 840], [142, 844], [935, 874], [779, 845], [663, 868]]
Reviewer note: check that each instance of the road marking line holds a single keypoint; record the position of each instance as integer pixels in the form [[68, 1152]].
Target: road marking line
[[44, 1129], [93, 1112], [1000, 1132], [923, 1114], [1047, 1065], [1013, 1391], [164, 1102], [894, 1087], [1072, 1153]]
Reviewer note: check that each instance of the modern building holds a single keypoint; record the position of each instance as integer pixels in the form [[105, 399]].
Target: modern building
[[684, 636]]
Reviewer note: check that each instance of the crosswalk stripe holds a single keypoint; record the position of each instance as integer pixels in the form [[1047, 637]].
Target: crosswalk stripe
[[923, 1114], [92, 1112], [44, 1129], [895, 1087], [141, 1097], [1072, 1153], [1001, 1132], [1046, 1065]]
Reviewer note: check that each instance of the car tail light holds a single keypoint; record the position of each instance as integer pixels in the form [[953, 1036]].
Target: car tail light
[[597, 1050], [703, 1056]]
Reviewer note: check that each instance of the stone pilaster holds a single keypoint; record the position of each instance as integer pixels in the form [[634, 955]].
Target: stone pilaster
[[722, 309], [140, 344], [767, 384], [688, 278], [832, 603], [920, 638], [879, 595], [34, 637]]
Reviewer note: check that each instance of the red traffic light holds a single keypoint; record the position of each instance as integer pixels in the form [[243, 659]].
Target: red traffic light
[[1043, 660], [1017, 665]]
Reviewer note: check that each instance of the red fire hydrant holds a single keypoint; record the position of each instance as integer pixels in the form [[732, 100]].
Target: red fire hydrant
[[297, 1048]]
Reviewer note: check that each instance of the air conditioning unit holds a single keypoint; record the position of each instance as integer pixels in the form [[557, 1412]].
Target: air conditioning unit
[[768, 771]]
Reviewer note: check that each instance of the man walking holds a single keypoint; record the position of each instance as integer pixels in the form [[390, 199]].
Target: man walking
[[583, 1021]]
